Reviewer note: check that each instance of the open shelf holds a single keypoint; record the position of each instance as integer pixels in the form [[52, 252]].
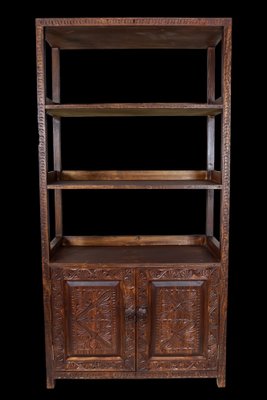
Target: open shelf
[[133, 109], [145, 306], [135, 249], [134, 33], [190, 184], [134, 180]]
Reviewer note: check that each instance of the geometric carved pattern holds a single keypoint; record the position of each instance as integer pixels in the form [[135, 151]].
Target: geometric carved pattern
[[92, 318], [127, 21], [177, 318], [182, 318], [182, 339]]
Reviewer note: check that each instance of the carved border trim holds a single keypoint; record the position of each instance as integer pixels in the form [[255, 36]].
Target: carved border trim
[[134, 375], [225, 196], [43, 163], [132, 21]]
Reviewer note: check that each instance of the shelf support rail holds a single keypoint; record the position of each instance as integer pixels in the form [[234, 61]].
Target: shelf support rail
[[57, 139]]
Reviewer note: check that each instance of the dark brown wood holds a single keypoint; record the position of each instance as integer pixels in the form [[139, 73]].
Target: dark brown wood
[[57, 138], [225, 198], [134, 307], [112, 33], [56, 242], [209, 211], [134, 255], [136, 375], [177, 322], [213, 246], [211, 75], [44, 210], [154, 240], [211, 142], [156, 22], [133, 175], [132, 37], [132, 109], [190, 184], [135, 180], [96, 330], [215, 176], [55, 75], [210, 139], [52, 176]]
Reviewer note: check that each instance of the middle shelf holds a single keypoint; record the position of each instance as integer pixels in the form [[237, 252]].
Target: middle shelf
[[133, 109], [134, 180], [134, 250]]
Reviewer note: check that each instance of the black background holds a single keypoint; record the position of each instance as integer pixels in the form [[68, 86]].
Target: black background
[[240, 376]]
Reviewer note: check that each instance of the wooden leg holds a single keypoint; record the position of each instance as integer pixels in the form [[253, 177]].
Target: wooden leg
[[50, 382], [221, 383]]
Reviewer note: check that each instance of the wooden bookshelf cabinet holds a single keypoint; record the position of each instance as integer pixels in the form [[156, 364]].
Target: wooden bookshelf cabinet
[[134, 306]]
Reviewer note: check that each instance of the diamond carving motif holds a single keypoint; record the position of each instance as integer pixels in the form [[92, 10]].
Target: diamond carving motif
[[177, 320], [93, 327]]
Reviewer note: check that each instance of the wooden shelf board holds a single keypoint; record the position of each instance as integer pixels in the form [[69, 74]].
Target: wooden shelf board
[[133, 254], [183, 184], [133, 109], [134, 180], [155, 34], [136, 249], [151, 240]]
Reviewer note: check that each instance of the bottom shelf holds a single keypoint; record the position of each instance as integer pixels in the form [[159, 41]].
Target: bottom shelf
[[135, 250]]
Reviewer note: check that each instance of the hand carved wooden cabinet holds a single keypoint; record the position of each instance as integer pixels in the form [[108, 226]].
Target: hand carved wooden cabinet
[[134, 306]]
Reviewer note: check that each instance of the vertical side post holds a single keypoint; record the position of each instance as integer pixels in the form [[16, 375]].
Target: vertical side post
[[44, 204], [210, 139], [57, 139], [225, 197]]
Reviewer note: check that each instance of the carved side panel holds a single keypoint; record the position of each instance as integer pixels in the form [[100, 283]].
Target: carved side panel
[[179, 331], [93, 326]]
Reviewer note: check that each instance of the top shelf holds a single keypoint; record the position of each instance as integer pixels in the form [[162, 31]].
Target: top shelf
[[133, 33]]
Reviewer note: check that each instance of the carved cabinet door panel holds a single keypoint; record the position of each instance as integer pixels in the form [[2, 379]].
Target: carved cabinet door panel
[[177, 319], [93, 319]]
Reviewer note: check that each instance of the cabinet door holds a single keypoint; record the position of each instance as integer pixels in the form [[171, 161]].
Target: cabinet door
[[93, 319], [177, 319]]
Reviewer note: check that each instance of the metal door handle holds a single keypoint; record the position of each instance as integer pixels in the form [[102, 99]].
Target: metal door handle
[[129, 314], [142, 312]]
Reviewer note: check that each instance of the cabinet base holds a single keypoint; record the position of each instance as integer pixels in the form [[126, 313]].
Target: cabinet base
[[134, 375]]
